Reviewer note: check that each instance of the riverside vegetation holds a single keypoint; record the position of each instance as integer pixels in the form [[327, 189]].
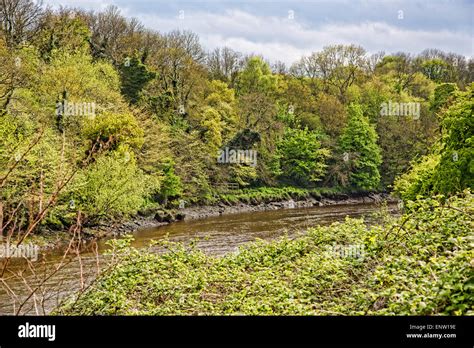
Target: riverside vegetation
[[421, 263], [102, 119]]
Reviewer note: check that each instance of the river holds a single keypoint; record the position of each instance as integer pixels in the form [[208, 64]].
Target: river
[[215, 236]]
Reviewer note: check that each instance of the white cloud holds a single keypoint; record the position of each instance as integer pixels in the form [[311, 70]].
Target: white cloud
[[84, 4], [280, 38], [286, 40]]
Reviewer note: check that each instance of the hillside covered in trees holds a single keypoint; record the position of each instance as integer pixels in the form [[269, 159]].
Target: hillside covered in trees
[[101, 118]]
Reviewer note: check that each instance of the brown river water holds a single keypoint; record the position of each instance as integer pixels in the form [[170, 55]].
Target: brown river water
[[215, 236]]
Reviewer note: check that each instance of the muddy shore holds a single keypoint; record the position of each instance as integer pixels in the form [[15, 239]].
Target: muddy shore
[[163, 217]]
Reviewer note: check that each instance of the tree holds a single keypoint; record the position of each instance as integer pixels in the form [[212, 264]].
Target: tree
[[18, 70], [224, 64], [134, 77], [113, 130], [300, 157], [401, 139], [108, 31], [178, 62], [442, 94], [256, 77], [19, 20], [332, 114], [257, 91], [66, 31], [401, 68], [112, 187], [211, 129], [337, 66], [359, 138], [374, 93], [297, 104], [435, 69], [446, 67], [418, 180], [217, 117], [171, 185], [455, 171], [449, 168]]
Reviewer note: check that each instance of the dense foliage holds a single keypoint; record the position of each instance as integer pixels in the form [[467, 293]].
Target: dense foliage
[[102, 118], [449, 168], [359, 140]]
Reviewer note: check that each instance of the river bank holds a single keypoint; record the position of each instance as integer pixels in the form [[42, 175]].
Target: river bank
[[215, 236], [294, 198], [394, 267], [164, 217]]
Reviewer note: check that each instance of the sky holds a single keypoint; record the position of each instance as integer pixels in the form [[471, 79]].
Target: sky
[[285, 30]]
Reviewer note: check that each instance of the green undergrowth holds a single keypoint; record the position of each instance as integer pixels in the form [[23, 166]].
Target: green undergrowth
[[418, 264], [272, 194]]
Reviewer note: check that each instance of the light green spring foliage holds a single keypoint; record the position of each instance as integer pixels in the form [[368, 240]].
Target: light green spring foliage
[[455, 171], [300, 157], [62, 32], [107, 186], [166, 105], [359, 141], [418, 264], [113, 186], [212, 130], [256, 77], [449, 168], [84, 79], [171, 185], [36, 170], [418, 181], [218, 115], [114, 129]]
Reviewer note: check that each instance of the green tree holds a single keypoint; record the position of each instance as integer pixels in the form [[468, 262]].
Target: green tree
[[62, 32], [217, 117], [211, 129], [359, 142], [134, 76], [450, 166], [442, 94], [300, 157], [418, 181], [435, 69], [171, 185], [455, 171], [113, 187], [256, 77], [332, 114]]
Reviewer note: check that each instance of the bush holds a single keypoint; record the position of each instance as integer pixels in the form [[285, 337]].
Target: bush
[[113, 187]]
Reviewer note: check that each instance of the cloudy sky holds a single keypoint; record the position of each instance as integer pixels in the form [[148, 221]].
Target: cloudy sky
[[285, 30]]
